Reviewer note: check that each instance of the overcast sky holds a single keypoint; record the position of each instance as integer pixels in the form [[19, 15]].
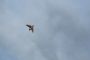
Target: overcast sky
[[62, 30]]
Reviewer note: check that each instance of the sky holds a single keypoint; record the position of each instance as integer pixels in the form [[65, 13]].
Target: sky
[[61, 30]]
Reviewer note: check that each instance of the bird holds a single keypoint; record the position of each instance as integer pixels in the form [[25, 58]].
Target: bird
[[31, 27]]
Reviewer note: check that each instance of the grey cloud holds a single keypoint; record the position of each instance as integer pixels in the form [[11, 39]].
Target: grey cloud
[[76, 40]]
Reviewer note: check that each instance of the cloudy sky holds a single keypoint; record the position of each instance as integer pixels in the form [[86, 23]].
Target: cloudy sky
[[61, 30]]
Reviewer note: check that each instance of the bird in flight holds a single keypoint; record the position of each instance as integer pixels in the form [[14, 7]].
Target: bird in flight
[[31, 27]]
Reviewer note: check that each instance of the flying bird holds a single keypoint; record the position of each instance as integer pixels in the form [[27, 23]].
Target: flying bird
[[31, 27]]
